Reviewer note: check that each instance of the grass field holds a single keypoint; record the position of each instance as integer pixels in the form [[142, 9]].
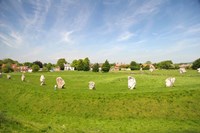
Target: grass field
[[111, 108]]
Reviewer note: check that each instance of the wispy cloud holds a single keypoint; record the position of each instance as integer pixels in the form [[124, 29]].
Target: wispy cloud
[[125, 36], [66, 37], [14, 40]]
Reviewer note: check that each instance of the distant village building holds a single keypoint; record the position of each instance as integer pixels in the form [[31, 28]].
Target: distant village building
[[68, 67], [56, 69]]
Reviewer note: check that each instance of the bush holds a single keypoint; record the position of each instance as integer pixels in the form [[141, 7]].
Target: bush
[[134, 66], [35, 68], [106, 66], [45, 69], [196, 64], [7, 68], [95, 67]]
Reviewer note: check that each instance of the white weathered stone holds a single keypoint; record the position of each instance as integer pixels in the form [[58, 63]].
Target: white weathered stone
[[8, 76], [182, 70], [42, 80], [169, 82], [198, 70], [131, 82], [151, 68], [0, 75], [60, 82], [91, 85], [23, 77]]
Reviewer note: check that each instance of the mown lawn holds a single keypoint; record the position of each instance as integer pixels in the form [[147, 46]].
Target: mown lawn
[[111, 108]]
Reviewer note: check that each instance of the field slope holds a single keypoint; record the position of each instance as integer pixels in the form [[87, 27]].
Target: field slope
[[111, 108]]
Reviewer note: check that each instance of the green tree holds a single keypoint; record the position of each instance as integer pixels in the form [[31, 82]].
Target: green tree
[[134, 65], [7, 68], [61, 63], [196, 64], [168, 64], [86, 66], [9, 61], [106, 66], [29, 64], [74, 64], [35, 68], [80, 65], [49, 66], [39, 63], [95, 67]]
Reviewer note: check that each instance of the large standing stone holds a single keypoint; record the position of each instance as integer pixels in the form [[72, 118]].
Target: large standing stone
[[198, 70], [0, 75], [91, 85], [23, 77], [182, 70], [8, 76], [169, 82], [131, 82], [42, 80], [60, 82], [151, 68]]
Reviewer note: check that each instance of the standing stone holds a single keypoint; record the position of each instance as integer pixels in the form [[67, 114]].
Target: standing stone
[[91, 85], [0, 75], [8, 76], [198, 70], [182, 70], [23, 77], [151, 68], [131, 82], [42, 80], [169, 82], [60, 82]]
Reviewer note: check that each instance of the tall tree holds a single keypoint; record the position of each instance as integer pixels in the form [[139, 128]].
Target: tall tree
[[196, 64], [134, 65], [95, 67], [74, 64], [80, 65], [39, 63], [61, 63], [86, 63], [106, 66]]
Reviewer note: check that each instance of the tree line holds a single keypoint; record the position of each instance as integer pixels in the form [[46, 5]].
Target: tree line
[[85, 65]]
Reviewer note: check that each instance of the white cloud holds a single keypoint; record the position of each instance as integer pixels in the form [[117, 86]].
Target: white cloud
[[13, 40], [125, 36]]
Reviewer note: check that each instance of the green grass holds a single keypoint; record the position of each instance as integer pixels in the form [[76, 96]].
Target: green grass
[[111, 108]]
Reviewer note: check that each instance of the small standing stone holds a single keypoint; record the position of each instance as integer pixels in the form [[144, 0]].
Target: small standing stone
[[23, 77], [182, 70], [131, 82], [169, 82], [198, 70], [91, 85], [60, 82], [42, 80], [8, 76], [0, 75]]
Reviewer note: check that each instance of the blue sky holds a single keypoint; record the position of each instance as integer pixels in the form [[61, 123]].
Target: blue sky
[[117, 30]]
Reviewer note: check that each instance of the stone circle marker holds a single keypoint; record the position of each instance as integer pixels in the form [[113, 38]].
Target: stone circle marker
[[131, 82], [42, 80], [91, 85], [60, 82], [169, 82]]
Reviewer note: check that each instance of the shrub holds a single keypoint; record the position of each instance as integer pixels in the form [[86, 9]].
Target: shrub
[[196, 64], [95, 67], [7, 68], [106, 66], [134, 65], [35, 68]]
